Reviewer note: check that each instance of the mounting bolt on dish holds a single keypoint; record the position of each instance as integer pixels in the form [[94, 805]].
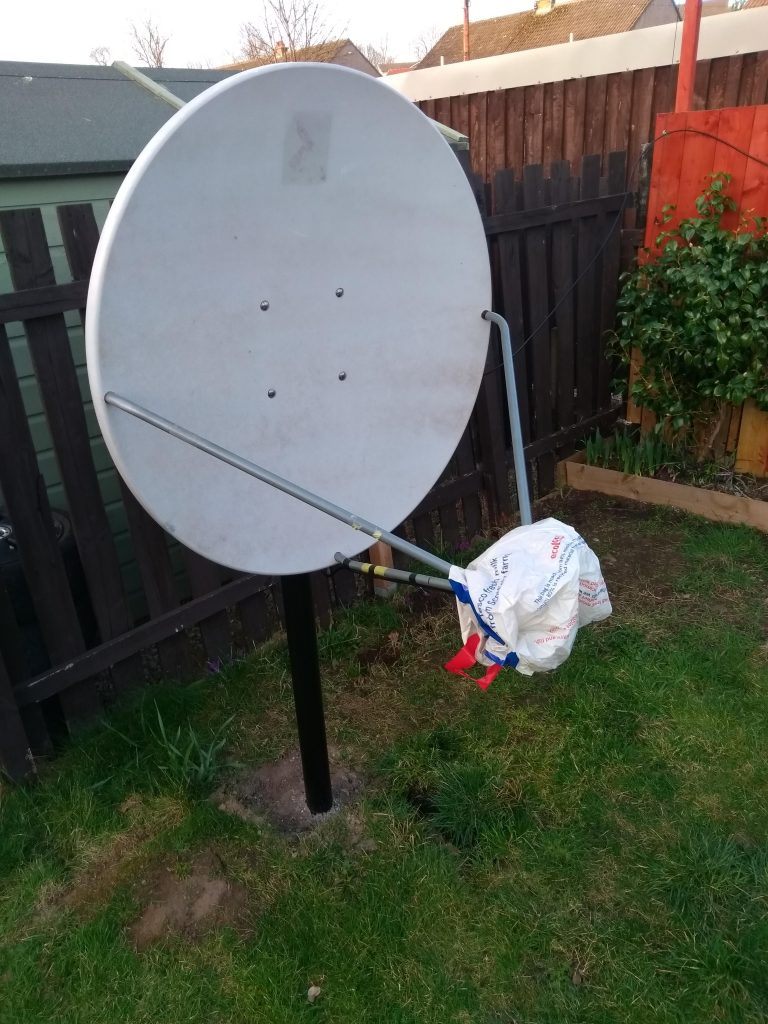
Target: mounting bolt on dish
[[343, 375], [264, 305], [271, 393], [339, 292]]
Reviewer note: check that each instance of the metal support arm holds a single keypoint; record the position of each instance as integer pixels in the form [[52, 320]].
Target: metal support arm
[[280, 483]]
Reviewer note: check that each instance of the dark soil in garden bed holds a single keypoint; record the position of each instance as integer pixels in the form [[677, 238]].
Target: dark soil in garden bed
[[712, 478], [635, 562]]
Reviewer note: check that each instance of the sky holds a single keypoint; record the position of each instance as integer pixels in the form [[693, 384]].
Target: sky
[[67, 32]]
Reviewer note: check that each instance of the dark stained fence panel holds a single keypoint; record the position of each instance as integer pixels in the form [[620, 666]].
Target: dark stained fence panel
[[30, 265], [546, 232], [601, 114]]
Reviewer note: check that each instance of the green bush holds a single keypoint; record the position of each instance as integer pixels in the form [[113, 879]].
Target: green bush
[[697, 313]]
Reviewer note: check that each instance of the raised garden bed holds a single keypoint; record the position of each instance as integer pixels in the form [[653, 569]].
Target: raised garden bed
[[714, 505]]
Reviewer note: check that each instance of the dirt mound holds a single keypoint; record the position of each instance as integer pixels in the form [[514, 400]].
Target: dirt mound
[[275, 791]]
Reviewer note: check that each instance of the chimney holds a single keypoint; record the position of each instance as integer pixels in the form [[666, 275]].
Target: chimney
[[543, 6], [281, 50]]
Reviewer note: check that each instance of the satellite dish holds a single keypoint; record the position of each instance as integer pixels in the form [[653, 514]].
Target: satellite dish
[[294, 268]]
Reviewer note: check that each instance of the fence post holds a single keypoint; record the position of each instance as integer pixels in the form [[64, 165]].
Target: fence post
[[15, 755]]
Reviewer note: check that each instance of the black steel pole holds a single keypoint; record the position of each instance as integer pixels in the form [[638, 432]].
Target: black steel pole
[[307, 690]]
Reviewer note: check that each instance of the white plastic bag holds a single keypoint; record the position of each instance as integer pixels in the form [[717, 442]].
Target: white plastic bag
[[522, 601]]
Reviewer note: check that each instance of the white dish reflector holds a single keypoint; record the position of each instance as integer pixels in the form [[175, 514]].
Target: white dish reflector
[[294, 268]]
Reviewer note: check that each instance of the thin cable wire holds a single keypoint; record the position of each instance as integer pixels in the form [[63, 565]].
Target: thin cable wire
[[614, 225], [674, 41]]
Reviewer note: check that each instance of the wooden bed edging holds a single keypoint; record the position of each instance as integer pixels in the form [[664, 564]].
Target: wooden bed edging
[[713, 505]]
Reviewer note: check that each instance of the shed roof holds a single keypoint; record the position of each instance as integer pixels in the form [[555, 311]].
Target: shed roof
[[63, 119], [83, 118], [584, 19]]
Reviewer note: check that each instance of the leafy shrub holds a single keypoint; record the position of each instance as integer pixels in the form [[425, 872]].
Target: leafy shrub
[[697, 313]]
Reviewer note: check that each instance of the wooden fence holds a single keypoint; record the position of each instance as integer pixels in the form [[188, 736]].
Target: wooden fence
[[566, 120], [555, 246]]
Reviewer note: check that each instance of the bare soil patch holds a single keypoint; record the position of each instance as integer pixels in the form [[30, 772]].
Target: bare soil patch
[[188, 905], [636, 564]]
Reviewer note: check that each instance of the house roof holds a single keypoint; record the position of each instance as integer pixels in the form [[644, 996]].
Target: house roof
[[584, 19], [322, 53], [83, 118], [396, 67]]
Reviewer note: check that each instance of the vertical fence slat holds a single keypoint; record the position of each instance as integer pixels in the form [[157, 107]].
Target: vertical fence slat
[[26, 499], [587, 319], [13, 655], [617, 108], [575, 114], [11, 640], [424, 531], [734, 70], [718, 79], [759, 92], [465, 463], [150, 549], [497, 120], [554, 100], [754, 196], [514, 142], [460, 114], [664, 86], [489, 414], [682, 173], [511, 279], [597, 96], [478, 131], [204, 577], [641, 123], [80, 236], [448, 515], [255, 614], [344, 586], [322, 599], [746, 84], [533, 124], [15, 755], [735, 126], [491, 430], [563, 276], [539, 325], [608, 282]]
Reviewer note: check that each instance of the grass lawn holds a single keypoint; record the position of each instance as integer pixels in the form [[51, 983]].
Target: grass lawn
[[589, 846]]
